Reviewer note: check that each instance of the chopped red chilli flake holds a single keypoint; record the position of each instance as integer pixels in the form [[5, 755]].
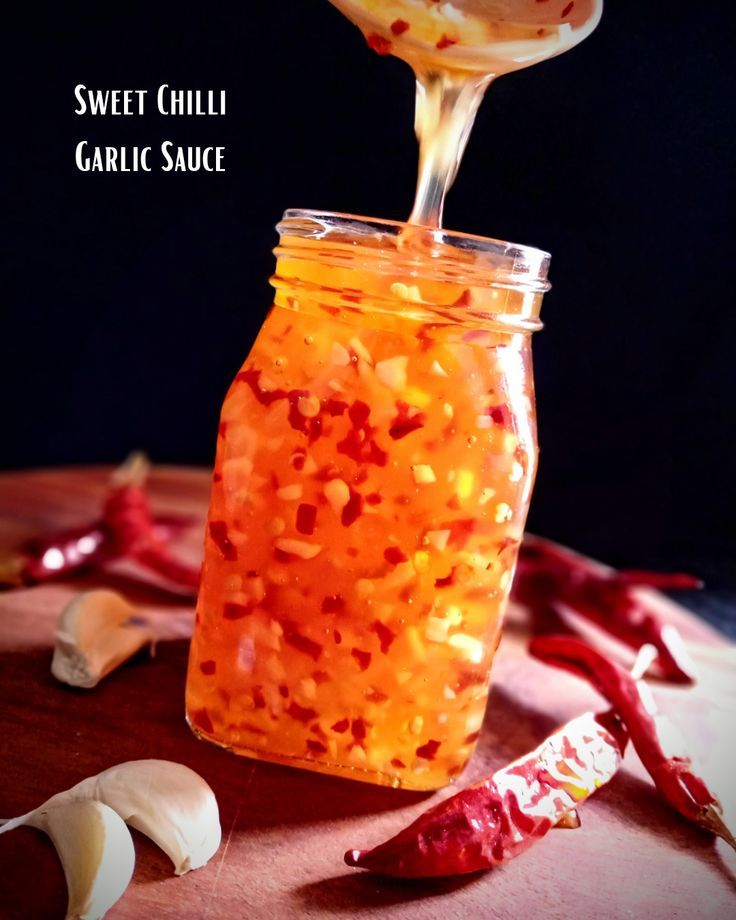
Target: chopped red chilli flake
[[216, 477], [359, 413], [363, 658], [341, 726], [378, 43], [218, 533], [264, 397], [202, 720], [566, 10], [337, 636], [394, 555], [301, 643], [283, 690], [399, 764], [373, 499], [506, 543], [359, 729], [233, 611], [333, 603], [399, 26], [221, 429], [316, 747], [353, 509], [447, 580], [429, 750], [464, 300], [501, 415], [259, 700], [335, 407], [460, 531], [301, 713], [405, 423], [445, 42], [208, 667], [306, 517], [385, 635]]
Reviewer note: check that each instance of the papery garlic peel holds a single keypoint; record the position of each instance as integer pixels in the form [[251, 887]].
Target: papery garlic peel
[[97, 631], [166, 801], [95, 849]]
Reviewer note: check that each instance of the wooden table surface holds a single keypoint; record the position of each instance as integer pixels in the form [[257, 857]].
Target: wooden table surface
[[285, 830]]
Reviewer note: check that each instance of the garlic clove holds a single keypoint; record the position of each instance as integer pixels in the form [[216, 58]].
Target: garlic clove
[[166, 801], [97, 631], [96, 852]]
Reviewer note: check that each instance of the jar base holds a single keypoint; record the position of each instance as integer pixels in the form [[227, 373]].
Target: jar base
[[361, 774]]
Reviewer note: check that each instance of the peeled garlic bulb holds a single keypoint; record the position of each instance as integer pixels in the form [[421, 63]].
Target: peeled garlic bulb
[[96, 852], [166, 801], [96, 633]]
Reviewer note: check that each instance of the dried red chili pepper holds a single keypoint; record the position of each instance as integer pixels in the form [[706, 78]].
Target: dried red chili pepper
[[127, 529], [503, 815], [550, 579], [673, 776]]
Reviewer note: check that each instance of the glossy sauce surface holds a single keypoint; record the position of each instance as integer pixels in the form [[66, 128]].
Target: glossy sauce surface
[[374, 465]]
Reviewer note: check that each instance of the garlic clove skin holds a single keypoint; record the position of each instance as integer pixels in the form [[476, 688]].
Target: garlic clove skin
[[96, 852], [97, 631], [164, 800]]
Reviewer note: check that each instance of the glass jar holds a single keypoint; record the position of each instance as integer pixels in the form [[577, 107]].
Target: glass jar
[[375, 460]]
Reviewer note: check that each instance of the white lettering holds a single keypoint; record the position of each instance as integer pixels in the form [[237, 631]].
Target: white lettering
[[110, 102], [82, 162], [192, 159], [80, 99]]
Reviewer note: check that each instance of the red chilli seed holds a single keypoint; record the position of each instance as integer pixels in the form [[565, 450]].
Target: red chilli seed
[[429, 750], [333, 603], [385, 635], [219, 536], [340, 727], [399, 26], [394, 555], [208, 667], [378, 43], [363, 658], [306, 518], [233, 611], [300, 713]]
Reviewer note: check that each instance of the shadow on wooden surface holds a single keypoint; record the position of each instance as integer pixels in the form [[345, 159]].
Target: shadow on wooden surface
[[354, 892]]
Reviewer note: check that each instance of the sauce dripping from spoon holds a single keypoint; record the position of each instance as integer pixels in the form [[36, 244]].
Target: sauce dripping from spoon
[[456, 50]]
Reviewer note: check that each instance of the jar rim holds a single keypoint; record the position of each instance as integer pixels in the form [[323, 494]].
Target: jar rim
[[525, 265]]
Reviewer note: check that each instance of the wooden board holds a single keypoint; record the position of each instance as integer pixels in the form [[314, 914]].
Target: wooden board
[[284, 830]]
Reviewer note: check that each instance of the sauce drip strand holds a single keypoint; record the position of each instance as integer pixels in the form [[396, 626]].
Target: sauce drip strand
[[456, 50]]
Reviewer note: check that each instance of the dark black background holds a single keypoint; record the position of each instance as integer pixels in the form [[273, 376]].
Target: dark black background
[[131, 300]]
